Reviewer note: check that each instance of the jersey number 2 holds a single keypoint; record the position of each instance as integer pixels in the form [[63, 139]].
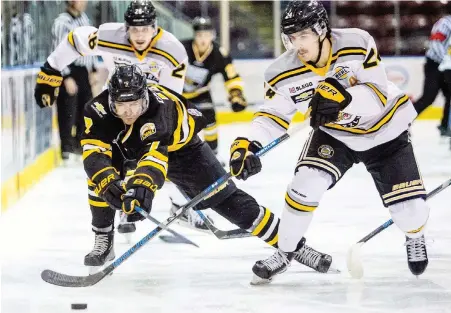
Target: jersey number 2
[[178, 72], [372, 60]]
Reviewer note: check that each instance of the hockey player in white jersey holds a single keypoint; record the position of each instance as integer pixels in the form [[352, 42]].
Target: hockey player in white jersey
[[139, 40], [357, 115]]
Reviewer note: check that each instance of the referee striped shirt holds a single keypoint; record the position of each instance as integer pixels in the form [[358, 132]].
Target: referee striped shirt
[[438, 39], [62, 26]]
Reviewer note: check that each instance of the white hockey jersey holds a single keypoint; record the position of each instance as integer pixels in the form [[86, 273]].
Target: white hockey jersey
[[164, 61], [446, 61], [378, 112]]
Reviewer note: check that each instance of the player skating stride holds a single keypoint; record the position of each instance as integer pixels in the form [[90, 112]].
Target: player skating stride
[[357, 116]]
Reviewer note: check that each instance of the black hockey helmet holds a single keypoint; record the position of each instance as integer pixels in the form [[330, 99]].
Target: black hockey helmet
[[202, 23], [140, 13], [128, 83], [300, 15]]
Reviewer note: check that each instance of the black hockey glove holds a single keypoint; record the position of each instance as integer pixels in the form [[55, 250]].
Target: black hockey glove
[[237, 100], [329, 99], [47, 86], [243, 161], [113, 194], [109, 188], [140, 192]]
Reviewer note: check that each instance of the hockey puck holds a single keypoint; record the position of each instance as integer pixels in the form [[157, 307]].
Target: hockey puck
[[78, 306]]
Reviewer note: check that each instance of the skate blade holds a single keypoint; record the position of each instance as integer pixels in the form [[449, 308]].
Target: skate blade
[[127, 237], [95, 269], [332, 270], [257, 281]]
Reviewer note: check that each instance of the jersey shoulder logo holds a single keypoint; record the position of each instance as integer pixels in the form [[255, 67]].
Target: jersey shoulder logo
[[147, 130]]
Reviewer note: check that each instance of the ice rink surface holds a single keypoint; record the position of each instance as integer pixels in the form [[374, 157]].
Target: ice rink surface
[[50, 229]]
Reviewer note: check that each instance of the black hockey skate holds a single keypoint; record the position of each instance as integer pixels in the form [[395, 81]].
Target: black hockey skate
[[417, 257], [308, 256], [190, 218], [102, 252], [265, 270]]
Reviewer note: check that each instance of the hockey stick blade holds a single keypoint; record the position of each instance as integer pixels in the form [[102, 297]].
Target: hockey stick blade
[[181, 238], [221, 234], [63, 280], [353, 259]]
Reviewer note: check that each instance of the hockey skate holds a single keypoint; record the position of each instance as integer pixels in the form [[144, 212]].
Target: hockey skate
[[265, 270], [309, 257], [417, 257], [102, 252], [126, 228], [190, 218]]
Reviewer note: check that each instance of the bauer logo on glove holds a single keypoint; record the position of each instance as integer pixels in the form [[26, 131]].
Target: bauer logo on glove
[[329, 99], [47, 86]]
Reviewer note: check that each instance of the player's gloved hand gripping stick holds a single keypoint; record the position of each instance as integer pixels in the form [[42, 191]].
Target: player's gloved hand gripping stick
[[64, 280]]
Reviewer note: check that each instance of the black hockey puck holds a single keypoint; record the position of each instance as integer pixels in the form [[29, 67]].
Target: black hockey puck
[[78, 306]]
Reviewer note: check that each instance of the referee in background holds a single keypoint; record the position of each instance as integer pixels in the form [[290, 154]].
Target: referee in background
[[75, 90], [434, 80]]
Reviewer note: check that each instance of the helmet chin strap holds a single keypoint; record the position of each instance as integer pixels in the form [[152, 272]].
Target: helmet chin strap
[[320, 43]]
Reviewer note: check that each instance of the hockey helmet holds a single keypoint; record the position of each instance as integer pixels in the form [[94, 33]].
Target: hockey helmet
[[140, 13], [300, 15], [128, 83], [202, 23]]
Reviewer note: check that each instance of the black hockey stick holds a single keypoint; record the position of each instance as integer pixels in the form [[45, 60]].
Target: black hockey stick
[[354, 262], [118, 143], [220, 234], [64, 280], [223, 234], [180, 238]]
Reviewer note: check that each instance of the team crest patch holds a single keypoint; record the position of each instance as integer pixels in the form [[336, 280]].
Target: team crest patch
[[147, 130], [325, 151], [341, 72]]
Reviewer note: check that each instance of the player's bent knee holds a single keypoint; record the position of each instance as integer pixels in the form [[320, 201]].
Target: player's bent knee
[[239, 208], [410, 216], [307, 188]]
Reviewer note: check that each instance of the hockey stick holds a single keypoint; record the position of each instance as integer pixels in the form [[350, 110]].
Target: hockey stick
[[118, 143], [181, 238], [64, 280], [220, 234], [354, 262]]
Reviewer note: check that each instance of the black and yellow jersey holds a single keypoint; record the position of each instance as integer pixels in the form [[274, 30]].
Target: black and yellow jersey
[[168, 125], [202, 67]]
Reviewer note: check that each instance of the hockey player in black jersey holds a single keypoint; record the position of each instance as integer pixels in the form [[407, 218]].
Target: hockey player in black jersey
[[157, 129], [206, 58]]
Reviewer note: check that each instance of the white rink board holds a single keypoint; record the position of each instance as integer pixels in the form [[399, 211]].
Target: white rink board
[[405, 72], [50, 228]]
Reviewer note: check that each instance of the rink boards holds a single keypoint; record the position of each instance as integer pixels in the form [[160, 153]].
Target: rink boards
[[29, 134]]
